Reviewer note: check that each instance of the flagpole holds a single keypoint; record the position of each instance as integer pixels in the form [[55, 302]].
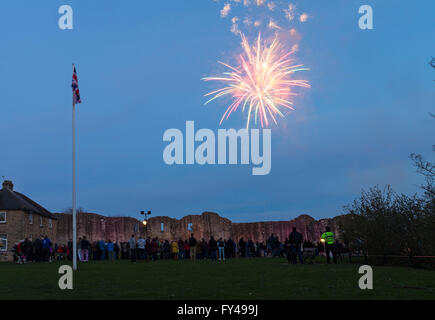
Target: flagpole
[[74, 213]]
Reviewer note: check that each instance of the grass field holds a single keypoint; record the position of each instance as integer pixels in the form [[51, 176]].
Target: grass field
[[263, 278]]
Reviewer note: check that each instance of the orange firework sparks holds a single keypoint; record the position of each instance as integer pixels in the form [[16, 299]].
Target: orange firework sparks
[[262, 83]]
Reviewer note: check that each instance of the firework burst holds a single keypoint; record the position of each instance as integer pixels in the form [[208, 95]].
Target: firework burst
[[262, 83]]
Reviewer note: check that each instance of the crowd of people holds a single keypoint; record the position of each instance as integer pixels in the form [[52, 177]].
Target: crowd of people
[[39, 250], [43, 250]]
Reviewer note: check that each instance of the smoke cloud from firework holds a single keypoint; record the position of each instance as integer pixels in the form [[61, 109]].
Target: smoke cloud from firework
[[246, 16]]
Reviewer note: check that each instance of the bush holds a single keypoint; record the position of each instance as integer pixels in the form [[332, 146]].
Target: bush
[[383, 223]]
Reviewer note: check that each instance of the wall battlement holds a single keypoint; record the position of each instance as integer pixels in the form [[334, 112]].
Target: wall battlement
[[97, 227]]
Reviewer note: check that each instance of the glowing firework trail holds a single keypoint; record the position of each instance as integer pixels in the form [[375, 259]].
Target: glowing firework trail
[[262, 82]]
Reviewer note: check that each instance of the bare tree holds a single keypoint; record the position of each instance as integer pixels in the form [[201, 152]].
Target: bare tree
[[424, 167]]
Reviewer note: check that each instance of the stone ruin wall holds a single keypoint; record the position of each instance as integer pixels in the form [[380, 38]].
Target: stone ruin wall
[[119, 229], [310, 228]]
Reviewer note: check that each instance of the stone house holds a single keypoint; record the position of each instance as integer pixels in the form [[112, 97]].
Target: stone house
[[20, 218]]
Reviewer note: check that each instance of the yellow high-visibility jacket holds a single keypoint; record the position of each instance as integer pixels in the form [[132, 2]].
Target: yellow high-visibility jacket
[[174, 246], [329, 237]]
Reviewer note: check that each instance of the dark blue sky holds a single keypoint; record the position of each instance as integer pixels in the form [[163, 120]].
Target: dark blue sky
[[139, 65]]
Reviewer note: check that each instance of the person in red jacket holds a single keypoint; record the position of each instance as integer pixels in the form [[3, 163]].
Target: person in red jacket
[[186, 250]]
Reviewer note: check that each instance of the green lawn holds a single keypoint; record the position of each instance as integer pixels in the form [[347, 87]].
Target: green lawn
[[259, 278]]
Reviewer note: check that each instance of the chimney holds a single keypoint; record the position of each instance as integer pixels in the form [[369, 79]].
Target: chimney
[[7, 184]]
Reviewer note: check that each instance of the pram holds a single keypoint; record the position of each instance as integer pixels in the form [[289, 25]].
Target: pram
[[18, 257]]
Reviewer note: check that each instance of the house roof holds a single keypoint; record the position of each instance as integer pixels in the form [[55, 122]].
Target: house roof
[[12, 200]]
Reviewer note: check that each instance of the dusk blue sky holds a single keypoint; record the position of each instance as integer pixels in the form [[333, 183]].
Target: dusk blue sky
[[140, 65]]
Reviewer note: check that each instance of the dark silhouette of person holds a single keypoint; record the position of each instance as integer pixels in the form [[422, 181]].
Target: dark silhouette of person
[[296, 239]]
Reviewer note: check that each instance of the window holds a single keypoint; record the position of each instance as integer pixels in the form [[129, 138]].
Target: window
[[136, 228], [30, 218], [50, 223], [189, 227], [2, 217], [40, 221], [3, 242], [162, 227]]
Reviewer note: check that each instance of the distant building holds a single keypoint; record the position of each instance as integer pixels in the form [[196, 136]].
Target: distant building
[[20, 218]]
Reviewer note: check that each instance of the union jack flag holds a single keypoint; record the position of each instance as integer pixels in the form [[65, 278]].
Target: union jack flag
[[75, 88]]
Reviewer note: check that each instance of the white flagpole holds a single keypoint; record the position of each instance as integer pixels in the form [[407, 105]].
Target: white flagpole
[[74, 184]]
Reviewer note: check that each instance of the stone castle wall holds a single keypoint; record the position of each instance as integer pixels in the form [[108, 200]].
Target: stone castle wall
[[96, 227]]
